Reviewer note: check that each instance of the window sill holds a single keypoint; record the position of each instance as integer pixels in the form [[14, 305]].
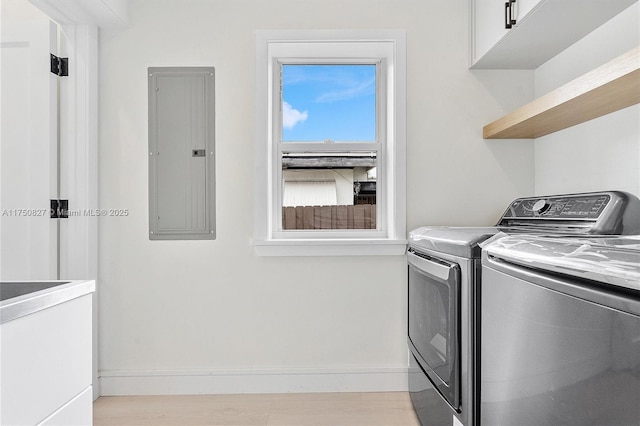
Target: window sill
[[351, 247]]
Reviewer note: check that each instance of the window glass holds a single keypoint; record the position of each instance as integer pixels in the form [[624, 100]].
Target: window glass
[[328, 191], [328, 103]]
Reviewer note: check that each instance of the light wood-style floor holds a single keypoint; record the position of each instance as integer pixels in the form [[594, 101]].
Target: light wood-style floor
[[319, 409]]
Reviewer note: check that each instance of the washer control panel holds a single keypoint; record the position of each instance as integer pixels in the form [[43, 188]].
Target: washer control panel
[[570, 207], [594, 213]]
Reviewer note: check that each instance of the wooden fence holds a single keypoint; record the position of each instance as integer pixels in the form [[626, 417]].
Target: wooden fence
[[361, 216]]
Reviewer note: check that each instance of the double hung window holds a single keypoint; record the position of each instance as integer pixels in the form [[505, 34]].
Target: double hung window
[[330, 146]]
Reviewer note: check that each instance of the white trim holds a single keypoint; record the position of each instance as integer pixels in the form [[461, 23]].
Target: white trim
[[102, 13], [363, 247], [79, 152], [472, 32], [277, 45], [185, 382], [79, 163], [79, 137]]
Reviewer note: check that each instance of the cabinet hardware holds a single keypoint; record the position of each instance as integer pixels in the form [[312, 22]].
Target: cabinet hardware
[[509, 22]]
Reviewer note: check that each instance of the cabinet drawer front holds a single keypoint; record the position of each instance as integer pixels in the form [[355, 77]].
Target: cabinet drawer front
[[45, 361], [77, 412]]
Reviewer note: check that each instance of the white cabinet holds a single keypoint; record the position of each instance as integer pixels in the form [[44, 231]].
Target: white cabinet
[[77, 412], [491, 19], [46, 365], [543, 29]]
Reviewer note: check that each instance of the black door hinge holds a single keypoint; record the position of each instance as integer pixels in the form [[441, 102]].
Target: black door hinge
[[59, 66], [59, 209]]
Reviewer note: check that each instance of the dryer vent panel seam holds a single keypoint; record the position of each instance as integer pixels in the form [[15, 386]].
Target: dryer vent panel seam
[[181, 153]]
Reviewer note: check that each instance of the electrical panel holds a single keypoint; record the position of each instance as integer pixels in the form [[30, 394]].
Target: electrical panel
[[181, 153]]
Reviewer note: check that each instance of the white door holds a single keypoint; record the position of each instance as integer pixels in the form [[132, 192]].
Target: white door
[[28, 152]]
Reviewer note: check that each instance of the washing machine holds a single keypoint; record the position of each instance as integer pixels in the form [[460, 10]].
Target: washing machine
[[445, 278], [560, 331]]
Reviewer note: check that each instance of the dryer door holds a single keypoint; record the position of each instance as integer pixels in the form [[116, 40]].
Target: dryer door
[[434, 322]]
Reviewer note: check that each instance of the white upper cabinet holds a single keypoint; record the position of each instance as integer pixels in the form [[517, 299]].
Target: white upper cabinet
[[542, 29], [491, 18]]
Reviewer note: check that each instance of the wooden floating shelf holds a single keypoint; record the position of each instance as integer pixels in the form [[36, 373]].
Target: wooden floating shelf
[[608, 88]]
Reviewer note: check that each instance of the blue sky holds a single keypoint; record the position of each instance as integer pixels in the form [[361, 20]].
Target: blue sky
[[334, 102]]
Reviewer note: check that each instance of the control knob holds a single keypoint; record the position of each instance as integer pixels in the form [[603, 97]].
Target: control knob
[[540, 206]]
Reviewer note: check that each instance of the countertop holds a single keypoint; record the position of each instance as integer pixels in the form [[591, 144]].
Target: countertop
[[26, 297]]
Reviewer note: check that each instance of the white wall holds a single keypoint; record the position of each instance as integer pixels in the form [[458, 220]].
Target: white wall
[[210, 316], [602, 154], [342, 177]]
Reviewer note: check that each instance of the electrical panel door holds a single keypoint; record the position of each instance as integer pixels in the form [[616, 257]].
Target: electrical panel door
[[181, 153]]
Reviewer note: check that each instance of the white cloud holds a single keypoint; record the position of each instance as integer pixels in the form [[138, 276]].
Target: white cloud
[[291, 116], [362, 88]]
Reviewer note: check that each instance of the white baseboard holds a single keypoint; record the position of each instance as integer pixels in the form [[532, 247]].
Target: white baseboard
[[189, 382]]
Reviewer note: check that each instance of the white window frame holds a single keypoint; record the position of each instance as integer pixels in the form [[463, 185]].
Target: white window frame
[[386, 49]]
